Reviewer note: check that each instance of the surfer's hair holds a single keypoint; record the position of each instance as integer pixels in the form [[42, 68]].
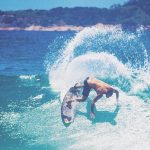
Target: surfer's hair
[[110, 92]]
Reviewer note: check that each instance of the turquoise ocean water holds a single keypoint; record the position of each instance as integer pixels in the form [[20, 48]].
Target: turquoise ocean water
[[37, 68]]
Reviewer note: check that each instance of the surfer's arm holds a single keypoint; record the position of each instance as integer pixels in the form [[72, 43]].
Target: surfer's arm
[[117, 95], [93, 104]]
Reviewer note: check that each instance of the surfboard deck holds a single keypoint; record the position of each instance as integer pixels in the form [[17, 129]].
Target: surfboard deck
[[68, 106]]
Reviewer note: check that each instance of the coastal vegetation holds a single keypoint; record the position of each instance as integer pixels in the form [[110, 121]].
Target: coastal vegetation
[[132, 13]]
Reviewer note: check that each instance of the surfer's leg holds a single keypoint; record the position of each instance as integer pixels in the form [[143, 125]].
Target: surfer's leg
[[85, 93], [93, 105]]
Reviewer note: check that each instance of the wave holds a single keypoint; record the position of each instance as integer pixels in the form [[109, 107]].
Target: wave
[[40, 96], [20, 93], [43, 126], [111, 54], [27, 77]]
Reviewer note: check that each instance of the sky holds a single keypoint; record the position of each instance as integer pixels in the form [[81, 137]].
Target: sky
[[49, 4]]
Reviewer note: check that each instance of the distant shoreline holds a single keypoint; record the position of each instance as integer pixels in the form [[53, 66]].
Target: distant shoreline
[[55, 28], [41, 28], [59, 28]]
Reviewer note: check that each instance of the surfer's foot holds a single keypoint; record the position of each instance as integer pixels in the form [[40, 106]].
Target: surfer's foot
[[118, 104], [92, 115]]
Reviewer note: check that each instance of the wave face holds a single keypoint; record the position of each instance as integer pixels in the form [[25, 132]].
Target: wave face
[[30, 103], [121, 59], [115, 56]]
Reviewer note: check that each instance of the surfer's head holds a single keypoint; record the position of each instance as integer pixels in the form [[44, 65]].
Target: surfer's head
[[109, 93]]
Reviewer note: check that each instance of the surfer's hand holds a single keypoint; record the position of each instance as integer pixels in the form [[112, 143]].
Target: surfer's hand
[[78, 85], [92, 115], [75, 86]]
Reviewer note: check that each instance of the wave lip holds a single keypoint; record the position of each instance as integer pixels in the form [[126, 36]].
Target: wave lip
[[111, 54], [40, 96]]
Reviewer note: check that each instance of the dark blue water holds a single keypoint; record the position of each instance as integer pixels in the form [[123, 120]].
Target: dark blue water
[[23, 74], [24, 52], [36, 69]]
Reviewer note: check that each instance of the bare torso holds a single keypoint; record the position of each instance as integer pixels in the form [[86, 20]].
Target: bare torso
[[99, 86]]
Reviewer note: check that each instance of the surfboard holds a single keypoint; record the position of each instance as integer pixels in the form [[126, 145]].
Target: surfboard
[[68, 106]]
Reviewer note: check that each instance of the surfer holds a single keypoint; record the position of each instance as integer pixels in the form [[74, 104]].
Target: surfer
[[100, 87]]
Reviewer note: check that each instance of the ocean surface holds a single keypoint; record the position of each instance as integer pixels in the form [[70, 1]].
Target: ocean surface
[[36, 70]]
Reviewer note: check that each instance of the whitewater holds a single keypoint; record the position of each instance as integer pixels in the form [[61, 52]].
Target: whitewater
[[111, 54]]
